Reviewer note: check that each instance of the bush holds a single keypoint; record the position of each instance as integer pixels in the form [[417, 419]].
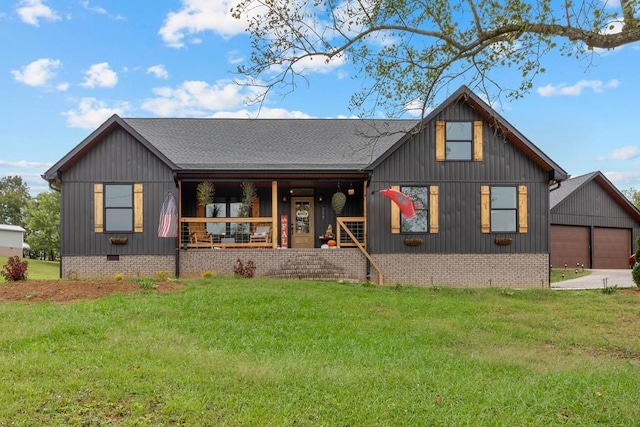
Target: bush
[[244, 270], [635, 274], [15, 269]]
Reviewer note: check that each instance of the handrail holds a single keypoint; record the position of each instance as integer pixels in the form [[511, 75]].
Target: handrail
[[342, 225]]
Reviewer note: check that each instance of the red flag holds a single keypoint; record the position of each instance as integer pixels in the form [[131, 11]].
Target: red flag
[[404, 202]]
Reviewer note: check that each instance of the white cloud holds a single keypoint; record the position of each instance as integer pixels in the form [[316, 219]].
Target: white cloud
[[33, 180], [96, 9], [91, 113], [158, 71], [31, 11], [624, 179], [235, 57], [263, 113], [23, 164], [562, 89], [37, 73], [62, 86], [197, 16], [625, 153], [197, 98], [100, 75]]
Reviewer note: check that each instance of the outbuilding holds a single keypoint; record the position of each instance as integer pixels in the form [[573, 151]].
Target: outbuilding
[[592, 224], [12, 240]]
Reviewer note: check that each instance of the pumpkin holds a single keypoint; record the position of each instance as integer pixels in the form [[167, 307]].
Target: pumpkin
[[332, 243]]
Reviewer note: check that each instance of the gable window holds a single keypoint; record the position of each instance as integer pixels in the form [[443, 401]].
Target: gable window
[[458, 141], [117, 208], [504, 209], [459, 136], [425, 203]]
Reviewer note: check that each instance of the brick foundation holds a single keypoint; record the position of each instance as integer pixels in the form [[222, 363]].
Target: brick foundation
[[77, 267], [465, 270]]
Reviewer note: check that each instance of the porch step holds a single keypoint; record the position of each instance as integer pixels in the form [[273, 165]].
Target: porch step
[[308, 267]]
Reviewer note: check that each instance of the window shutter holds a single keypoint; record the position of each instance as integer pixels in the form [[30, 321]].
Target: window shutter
[[440, 134], [522, 209], [98, 208], [485, 209], [138, 213], [477, 141], [433, 209], [395, 214]]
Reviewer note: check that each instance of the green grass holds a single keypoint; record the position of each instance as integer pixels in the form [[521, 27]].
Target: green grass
[[561, 274], [229, 351], [37, 270]]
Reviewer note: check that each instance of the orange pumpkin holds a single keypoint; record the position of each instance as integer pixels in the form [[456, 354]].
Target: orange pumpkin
[[331, 243]]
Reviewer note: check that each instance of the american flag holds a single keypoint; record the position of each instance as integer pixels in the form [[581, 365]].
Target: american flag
[[168, 218]]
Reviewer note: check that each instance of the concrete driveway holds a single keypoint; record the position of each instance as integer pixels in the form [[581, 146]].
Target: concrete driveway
[[597, 280]]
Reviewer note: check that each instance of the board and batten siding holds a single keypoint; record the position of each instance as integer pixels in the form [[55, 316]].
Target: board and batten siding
[[118, 158], [459, 186]]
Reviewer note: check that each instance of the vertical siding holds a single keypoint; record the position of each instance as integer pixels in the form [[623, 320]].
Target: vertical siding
[[459, 185], [117, 158]]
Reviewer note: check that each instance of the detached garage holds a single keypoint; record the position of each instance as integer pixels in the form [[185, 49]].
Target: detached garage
[[592, 224]]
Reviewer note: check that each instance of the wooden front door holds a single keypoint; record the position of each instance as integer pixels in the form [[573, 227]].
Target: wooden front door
[[303, 234]]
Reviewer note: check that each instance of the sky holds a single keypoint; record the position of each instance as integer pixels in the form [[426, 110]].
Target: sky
[[69, 65]]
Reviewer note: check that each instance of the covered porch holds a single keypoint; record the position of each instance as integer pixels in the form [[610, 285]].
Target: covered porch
[[279, 213]]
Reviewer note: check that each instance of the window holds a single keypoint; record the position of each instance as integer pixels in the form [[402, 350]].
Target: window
[[459, 138], [458, 141], [426, 206], [118, 207], [420, 222], [504, 209]]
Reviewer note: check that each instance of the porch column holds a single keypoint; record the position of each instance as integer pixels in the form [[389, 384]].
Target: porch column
[[274, 214]]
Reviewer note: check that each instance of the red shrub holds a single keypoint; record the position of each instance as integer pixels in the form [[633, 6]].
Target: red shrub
[[15, 269]]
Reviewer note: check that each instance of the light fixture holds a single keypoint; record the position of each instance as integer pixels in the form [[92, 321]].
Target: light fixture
[[284, 199], [351, 191], [320, 198]]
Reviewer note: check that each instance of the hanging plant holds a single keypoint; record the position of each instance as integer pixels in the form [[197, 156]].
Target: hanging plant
[[204, 193], [338, 201]]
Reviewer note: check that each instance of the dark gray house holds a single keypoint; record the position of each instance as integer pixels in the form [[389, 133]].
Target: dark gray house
[[592, 224], [480, 190]]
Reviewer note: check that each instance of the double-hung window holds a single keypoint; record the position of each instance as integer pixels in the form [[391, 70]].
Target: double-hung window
[[459, 141], [425, 203], [504, 209], [118, 208]]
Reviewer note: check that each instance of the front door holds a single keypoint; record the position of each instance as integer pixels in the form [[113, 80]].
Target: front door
[[303, 234]]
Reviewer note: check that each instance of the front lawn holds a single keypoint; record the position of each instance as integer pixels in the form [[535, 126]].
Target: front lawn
[[228, 351]]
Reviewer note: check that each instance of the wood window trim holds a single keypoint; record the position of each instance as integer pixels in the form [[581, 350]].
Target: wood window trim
[[522, 206], [433, 211], [477, 141], [99, 206]]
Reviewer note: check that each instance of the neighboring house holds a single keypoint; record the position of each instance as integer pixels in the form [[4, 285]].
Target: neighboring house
[[12, 240], [592, 224], [480, 187]]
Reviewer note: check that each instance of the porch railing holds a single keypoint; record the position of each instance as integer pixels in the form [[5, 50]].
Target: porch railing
[[352, 232], [255, 232]]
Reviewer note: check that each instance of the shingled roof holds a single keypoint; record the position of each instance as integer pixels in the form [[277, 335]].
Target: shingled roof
[[271, 144]]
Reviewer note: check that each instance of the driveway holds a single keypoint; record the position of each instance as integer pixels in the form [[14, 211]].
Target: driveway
[[597, 280]]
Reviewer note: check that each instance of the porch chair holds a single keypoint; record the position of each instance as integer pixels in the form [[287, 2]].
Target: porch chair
[[198, 235], [262, 234]]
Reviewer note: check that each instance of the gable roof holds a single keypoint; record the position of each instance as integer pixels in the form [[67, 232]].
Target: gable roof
[[501, 125], [297, 145], [573, 185]]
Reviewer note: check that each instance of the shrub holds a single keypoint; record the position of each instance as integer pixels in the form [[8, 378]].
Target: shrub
[[635, 274], [118, 277], [15, 269], [207, 274], [163, 275], [244, 270], [146, 283]]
